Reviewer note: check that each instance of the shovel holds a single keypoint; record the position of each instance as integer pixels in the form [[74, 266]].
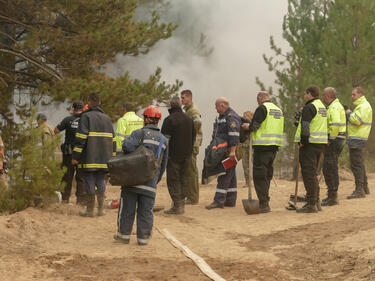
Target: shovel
[[250, 206], [293, 205]]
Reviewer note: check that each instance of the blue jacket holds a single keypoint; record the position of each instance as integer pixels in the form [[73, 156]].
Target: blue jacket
[[152, 139], [227, 127]]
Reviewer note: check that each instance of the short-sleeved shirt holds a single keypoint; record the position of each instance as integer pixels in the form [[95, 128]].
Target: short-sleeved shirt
[[70, 124]]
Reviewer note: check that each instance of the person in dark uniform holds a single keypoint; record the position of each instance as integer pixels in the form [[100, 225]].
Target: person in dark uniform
[[227, 127], [179, 129], [70, 125], [267, 127], [141, 198], [312, 135], [94, 145]]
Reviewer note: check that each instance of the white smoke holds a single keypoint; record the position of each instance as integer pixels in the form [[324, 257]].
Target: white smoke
[[238, 31]]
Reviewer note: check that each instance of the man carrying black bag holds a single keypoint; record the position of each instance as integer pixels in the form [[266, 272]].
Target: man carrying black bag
[[142, 195]]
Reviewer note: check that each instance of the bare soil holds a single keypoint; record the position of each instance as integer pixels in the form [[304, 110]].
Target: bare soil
[[335, 244]]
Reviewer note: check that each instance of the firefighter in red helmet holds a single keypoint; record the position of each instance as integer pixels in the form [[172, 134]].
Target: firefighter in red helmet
[[141, 198]]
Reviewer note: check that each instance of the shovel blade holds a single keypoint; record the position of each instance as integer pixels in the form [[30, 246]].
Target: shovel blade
[[250, 206]]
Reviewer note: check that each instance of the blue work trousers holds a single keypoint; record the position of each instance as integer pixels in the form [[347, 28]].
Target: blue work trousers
[[126, 214], [226, 189], [95, 181]]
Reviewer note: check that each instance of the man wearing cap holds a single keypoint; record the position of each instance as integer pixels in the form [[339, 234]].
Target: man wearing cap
[[70, 125], [128, 123]]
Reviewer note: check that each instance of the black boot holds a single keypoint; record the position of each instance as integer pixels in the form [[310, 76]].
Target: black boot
[[366, 189], [318, 205], [308, 208], [357, 193], [100, 197], [331, 199], [264, 207], [90, 203], [214, 205], [178, 208]]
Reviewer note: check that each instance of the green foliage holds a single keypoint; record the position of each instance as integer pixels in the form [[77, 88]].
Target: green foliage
[[57, 51], [36, 174], [332, 43]]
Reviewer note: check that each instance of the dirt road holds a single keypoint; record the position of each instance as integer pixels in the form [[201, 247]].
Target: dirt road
[[335, 244]]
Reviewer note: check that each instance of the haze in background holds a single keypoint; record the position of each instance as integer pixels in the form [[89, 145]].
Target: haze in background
[[238, 31]]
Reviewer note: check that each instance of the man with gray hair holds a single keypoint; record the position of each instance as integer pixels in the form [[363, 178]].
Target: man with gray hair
[[179, 129], [336, 139], [227, 128]]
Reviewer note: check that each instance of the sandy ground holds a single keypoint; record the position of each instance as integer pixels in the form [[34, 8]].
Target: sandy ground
[[335, 244]]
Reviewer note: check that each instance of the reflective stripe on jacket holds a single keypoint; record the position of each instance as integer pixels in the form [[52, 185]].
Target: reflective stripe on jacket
[[128, 123], [336, 120], [318, 125], [360, 120], [94, 143], [271, 130]]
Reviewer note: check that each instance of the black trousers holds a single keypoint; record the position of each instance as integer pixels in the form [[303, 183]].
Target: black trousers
[[309, 157], [263, 173], [331, 163], [357, 166], [68, 179], [176, 182]]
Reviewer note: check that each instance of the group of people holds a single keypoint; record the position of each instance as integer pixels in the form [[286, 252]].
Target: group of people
[[322, 128], [90, 142]]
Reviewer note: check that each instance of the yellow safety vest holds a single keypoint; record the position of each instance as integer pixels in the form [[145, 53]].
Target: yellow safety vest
[[271, 130], [125, 126], [336, 120], [360, 120], [318, 125]]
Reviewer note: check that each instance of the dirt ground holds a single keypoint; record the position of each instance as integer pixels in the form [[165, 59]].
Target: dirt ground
[[335, 244]]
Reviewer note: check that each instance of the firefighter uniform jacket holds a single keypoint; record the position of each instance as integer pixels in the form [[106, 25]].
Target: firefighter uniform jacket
[[94, 143], [153, 138], [227, 127]]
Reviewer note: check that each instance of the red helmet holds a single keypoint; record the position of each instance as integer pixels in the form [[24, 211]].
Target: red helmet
[[152, 111]]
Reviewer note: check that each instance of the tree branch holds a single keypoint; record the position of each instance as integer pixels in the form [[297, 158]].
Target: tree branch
[[12, 20], [45, 68]]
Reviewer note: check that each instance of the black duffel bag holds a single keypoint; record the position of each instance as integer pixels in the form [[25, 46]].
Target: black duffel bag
[[135, 168]]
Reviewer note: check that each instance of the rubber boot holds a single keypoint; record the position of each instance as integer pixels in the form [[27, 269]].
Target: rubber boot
[[90, 203], [178, 208], [100, 197], [331, 199]]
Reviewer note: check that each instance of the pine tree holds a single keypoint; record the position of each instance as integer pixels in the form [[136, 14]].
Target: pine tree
[[36, 174], [57, 51], [332, 44]]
